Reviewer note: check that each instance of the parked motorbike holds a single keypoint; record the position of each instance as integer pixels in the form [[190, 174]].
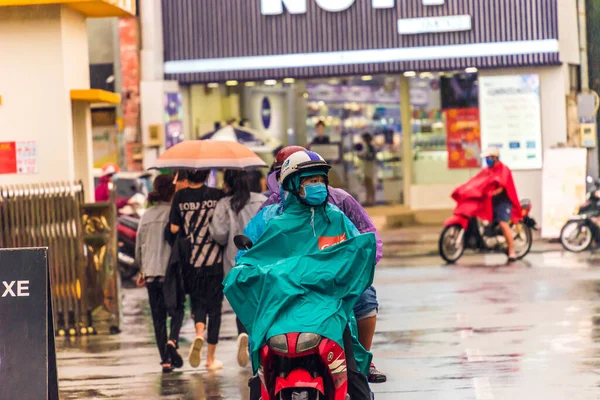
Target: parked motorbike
[[463, 232], [300, 365], [127, 225], [580, 230]]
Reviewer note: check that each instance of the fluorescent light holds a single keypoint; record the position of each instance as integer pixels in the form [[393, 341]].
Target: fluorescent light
[[231, 83], [289, 80], [213, 85], [410, 74], [471, 70], [362, 56], [270, 82], [366, 78], [250, 84]]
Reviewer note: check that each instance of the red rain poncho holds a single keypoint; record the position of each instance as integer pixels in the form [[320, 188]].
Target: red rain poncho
[[474, 198]]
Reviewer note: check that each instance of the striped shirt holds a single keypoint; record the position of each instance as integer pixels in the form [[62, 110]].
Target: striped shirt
[[192, 211]]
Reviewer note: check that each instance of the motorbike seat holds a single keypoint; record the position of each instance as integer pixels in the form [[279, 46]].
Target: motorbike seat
[[129, 222], [525, 203]]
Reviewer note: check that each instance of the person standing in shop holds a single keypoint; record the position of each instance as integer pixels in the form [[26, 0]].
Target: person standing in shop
[[191, 212], [231, 217], [368, 155], [152, 253], [321, 137]]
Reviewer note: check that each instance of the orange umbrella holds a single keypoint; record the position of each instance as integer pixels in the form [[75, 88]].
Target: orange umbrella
[[205, 154]]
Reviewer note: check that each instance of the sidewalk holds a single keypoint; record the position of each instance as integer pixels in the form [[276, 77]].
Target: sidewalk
[[422, 241]]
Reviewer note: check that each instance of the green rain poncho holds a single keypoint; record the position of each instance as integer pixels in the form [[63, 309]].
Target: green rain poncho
[[304, 274]]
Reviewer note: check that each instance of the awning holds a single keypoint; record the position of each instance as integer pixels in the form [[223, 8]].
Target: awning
[[95, 96]]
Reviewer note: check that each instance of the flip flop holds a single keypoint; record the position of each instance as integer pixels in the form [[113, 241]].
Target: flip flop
[[196, 352], [243, 357]]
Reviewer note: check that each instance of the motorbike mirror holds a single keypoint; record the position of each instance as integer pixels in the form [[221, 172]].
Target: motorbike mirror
[[242, 242]]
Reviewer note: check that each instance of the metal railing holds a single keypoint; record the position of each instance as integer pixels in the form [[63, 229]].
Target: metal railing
[[54, 215]]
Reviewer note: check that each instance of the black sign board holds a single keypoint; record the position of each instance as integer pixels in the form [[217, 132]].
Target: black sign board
[[27, 352]]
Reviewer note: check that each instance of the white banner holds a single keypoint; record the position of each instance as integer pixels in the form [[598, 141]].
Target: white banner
[[563, 187], [511, 119]]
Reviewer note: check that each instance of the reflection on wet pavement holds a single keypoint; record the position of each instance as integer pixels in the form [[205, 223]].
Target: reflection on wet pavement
[[479, 330]]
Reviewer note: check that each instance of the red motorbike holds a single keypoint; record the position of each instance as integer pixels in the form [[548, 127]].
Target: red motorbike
[[464, 230], [302, 366]]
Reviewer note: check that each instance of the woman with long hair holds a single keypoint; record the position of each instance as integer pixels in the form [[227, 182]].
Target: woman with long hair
[[152, 253], [231, 216]]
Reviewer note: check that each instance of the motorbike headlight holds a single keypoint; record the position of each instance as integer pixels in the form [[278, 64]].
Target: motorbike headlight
[[307, 341], [279, 343]]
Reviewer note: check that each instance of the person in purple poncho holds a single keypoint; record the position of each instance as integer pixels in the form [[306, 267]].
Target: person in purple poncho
[[367, 307]]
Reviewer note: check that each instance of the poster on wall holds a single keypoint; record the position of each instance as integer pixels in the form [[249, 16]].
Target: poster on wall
[[18, 157], [563, 187], [173, 119], [463, 138], [105, 145], [511, 119]]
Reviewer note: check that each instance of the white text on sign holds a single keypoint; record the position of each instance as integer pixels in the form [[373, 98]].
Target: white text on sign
[[15, 288]]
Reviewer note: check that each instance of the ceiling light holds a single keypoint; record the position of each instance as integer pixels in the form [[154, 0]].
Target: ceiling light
[[305, 95], [366, 78], [213, 85], [231, 83], [409, 74], [270, 82], [426, 75], [250, 83], [289, 80], [471, 70]]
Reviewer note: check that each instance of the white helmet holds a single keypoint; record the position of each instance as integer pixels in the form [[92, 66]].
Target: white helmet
[[302, 161]]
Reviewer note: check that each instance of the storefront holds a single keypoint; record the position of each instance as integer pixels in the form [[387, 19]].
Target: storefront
[[434, 80]]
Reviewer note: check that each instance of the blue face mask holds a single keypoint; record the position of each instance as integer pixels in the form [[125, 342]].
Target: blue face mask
[[315, 194], [489, 162]]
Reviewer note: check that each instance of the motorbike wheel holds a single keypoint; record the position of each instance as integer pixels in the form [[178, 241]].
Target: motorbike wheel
[[576, 237], [452, 244], [523, 241]]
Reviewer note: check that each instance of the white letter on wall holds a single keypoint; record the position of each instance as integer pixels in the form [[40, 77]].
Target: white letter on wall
[[384, 3], [335, 5], [275, 7]]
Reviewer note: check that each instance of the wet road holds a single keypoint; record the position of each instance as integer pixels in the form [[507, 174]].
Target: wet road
[[474, 331]]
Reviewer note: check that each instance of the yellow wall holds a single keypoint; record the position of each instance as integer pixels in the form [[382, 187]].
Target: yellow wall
[[210, 106]]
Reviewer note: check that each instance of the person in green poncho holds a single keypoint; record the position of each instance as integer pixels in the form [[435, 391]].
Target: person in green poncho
[[307, 268]]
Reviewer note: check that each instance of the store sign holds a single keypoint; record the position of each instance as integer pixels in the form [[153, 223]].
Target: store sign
[[511, 119], [18, 157], [27, 352], [454, 23], [275, 7]]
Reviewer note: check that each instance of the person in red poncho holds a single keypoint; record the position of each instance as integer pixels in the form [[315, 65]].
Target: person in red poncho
[[505, 201]]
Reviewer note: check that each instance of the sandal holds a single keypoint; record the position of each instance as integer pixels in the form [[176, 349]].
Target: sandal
[[196, 352], [174, 355], [166, 367]]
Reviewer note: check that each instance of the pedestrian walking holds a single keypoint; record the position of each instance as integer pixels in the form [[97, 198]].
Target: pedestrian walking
[[231, 217], [152, 253], [369, 166], [191, 212]]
